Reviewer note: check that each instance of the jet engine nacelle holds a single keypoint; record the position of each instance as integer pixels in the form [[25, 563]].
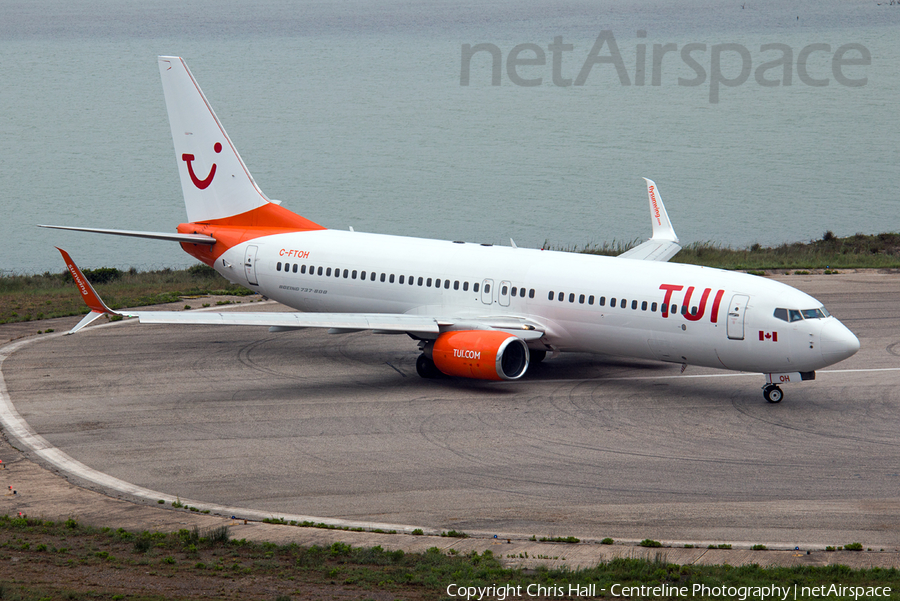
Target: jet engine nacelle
[[480, 354]]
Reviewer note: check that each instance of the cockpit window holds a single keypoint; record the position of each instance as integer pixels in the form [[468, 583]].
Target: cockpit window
[[792, 315], [788, 314]]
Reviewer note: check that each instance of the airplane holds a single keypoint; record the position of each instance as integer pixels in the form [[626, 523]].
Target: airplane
[[476, 310]]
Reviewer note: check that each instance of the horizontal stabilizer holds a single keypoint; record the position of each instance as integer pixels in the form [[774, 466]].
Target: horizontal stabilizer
[[188, 238]]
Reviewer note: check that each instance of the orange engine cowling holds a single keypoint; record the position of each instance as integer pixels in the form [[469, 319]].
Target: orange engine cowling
[[480, 354]]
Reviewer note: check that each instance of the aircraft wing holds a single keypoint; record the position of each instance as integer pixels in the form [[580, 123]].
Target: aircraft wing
[[663, 245], [423, 326], [340, 322]]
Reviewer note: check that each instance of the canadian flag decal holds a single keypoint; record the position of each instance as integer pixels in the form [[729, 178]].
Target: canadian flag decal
[[765, 336]]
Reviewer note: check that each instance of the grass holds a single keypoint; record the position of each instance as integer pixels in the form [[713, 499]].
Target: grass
[[560, 539], [34, 297], [859, 251], [211, 558]]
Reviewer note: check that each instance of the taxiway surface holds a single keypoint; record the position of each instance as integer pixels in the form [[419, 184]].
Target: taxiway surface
[[341, 426]]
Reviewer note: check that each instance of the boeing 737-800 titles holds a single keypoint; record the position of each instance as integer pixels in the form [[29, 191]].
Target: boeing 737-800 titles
[[476, 310]]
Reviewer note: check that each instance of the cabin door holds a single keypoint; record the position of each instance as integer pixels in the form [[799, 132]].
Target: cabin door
[[736, 311]]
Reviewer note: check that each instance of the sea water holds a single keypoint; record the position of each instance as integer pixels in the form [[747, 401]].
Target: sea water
[[354, 114]]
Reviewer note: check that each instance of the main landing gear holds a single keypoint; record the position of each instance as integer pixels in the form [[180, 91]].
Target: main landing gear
[[772, 393], [426, 368]]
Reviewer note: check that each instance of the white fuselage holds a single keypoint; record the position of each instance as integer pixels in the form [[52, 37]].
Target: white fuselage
[[569, 295]]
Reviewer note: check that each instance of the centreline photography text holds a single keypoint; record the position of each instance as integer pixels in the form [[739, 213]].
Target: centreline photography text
[[501, 592]]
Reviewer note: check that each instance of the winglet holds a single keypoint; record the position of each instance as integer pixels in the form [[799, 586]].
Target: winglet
[[663, 244], [90, 296], [662, 227]]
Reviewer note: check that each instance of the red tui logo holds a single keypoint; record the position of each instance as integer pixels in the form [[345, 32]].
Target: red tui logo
[[202, 184]]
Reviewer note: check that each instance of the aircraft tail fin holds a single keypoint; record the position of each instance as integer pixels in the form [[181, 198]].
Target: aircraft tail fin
[[215, 182]]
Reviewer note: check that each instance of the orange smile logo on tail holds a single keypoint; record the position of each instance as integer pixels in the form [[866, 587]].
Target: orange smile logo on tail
[[202, 184]]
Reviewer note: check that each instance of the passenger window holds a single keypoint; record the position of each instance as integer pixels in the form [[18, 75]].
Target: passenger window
[[465, 286], [653, 307], [634, 305], [383, 276], [550, 296], [320, 270], [391, 279], [531, 293], [303, 269], [591, 299], [328, 272], [456, 285], [561, 296], [612, 302], [412, 280], [521, 293], [622, 303], [581, 299], [795, 315], [571, 297], [674, 309], [346, 273], [372, 276], [401, 280], [781, 314], [602, 301], [278, 266], [504, 291], [487, 288], [428, 282], [644, 306], [446, 284], [353, 274], [362, 275], [437, 283], [420, 280], [514, 291], [475, 287], [337, 272]]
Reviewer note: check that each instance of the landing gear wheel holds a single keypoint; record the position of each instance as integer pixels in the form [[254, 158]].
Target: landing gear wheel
[[426, 368], [773, 394]]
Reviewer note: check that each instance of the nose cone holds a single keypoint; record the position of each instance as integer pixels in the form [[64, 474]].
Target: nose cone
[[838, 343]]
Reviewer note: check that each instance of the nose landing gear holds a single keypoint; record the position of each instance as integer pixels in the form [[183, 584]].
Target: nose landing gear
[[772, 393]]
